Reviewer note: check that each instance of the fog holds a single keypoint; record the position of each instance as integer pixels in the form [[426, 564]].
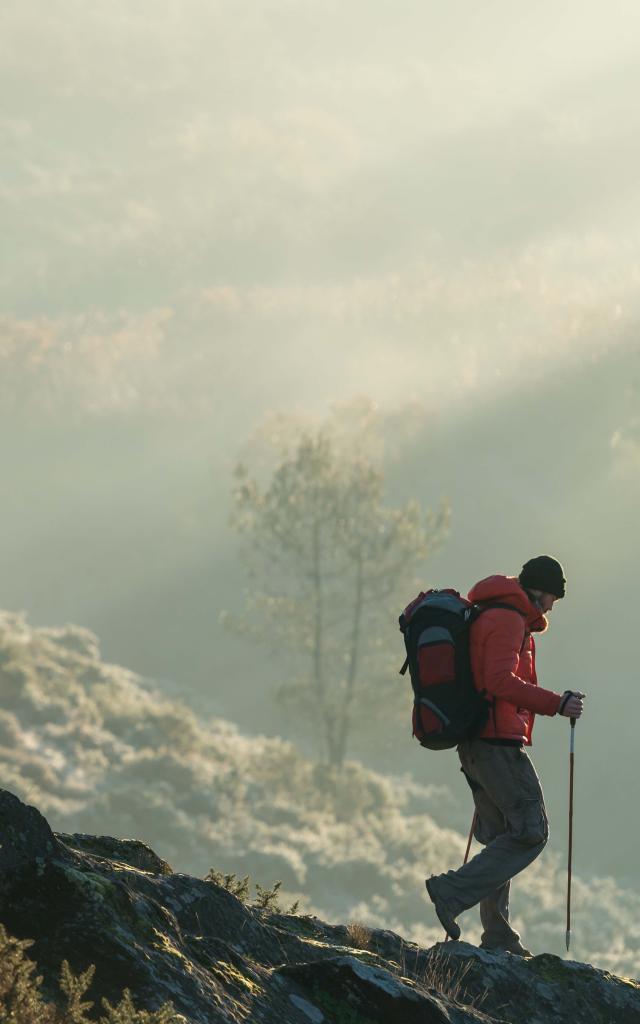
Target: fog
[[211, 212]]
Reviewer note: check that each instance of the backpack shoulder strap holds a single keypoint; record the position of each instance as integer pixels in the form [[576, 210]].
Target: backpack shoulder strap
[[507, 607], [498, 604]]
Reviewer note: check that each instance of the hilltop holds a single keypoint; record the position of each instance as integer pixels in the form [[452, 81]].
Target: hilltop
[[169, 937]]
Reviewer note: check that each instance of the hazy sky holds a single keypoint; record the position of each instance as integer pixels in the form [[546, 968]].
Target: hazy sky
[[211, 210], [300, 200]]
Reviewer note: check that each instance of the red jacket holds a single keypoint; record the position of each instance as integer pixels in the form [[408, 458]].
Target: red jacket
[[503, 660]]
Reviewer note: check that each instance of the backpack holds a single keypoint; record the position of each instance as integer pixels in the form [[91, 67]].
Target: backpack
[[447, 706]]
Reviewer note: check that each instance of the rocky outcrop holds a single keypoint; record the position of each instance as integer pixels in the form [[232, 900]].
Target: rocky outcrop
[[169, 936]]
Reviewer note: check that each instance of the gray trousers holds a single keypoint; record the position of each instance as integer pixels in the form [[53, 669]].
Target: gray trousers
[[511, 825]]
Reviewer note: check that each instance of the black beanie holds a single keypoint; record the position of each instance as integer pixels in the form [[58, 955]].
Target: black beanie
[[543, 573]]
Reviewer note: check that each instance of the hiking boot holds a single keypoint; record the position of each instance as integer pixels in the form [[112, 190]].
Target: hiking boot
[[515, 948], [445, 917]]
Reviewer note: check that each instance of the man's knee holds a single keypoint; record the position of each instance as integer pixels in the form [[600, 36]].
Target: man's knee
[[534, 839], [531, 828]]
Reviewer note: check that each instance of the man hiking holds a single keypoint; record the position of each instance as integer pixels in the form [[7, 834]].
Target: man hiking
[[511, 821]]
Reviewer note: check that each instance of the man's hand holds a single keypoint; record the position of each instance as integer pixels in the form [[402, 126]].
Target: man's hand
[[571, 704]]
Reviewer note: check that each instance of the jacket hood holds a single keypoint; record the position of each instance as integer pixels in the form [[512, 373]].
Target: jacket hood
[[507, 590]]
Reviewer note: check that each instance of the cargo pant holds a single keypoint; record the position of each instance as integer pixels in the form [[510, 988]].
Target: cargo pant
[[511, 825]]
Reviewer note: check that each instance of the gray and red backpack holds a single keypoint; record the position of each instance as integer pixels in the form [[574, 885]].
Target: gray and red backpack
[[447, 706]]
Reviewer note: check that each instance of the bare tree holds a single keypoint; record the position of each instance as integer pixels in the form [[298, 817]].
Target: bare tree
[[329, 564]]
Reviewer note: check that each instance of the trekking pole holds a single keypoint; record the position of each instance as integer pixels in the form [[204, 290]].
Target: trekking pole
[[466, 856], [471, 831], [571, 757]]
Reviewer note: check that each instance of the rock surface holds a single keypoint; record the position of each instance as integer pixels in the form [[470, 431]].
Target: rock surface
[[169, 936]]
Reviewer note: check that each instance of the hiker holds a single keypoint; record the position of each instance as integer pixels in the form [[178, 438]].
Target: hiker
[[511, 821]]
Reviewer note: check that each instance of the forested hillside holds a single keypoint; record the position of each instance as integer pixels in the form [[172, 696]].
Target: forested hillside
[[100, 751]]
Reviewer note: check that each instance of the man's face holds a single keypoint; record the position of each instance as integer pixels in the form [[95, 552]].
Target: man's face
[[547, 601]]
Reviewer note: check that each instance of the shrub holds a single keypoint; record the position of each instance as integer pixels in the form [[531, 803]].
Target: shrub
[[21, 1001]]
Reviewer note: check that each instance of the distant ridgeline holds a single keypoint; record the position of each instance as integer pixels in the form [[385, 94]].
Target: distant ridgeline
[[97, 751]]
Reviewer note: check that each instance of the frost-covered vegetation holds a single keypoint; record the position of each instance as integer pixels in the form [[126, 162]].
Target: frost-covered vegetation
[[97, 750]]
